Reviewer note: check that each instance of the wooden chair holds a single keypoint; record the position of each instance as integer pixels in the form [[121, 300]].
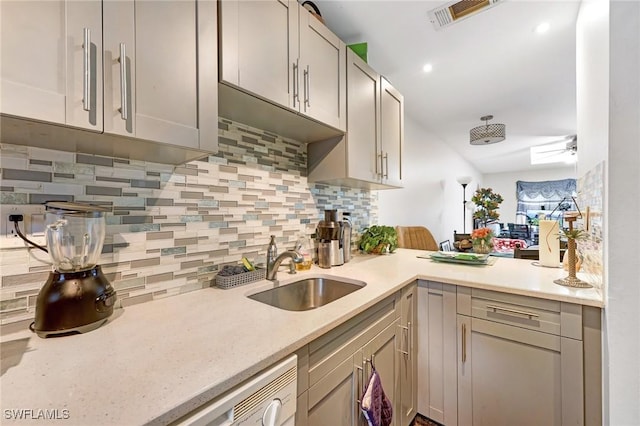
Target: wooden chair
[[416, 237], [532, 254]]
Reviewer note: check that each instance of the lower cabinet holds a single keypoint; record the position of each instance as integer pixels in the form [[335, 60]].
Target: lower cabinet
[[492, 358], [336, 367], [408, 358], [437, 379]]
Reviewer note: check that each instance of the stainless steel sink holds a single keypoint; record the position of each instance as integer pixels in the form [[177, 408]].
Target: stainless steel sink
[[308, 293]]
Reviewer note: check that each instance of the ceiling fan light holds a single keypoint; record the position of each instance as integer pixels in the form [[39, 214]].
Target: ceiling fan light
[[559, 152], [487, 133]]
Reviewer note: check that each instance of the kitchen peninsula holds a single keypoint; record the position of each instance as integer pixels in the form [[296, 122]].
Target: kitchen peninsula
[[155, 362]]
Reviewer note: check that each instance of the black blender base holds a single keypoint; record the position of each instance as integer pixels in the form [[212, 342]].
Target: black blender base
[[73, 302], [76, 330]]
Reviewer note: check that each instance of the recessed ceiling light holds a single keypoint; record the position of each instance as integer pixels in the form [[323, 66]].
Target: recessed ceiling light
[[427, 68], [542, 28]]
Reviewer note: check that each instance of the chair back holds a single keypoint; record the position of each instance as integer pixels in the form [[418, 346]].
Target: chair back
[[532, 254], [416, 237]]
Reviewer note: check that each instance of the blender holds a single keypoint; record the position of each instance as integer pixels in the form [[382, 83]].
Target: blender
[[77, 297]]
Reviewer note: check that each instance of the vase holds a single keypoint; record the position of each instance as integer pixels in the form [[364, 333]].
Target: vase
[[482, 247]]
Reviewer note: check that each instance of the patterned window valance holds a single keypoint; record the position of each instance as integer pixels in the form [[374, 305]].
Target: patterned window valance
[[542, 195]]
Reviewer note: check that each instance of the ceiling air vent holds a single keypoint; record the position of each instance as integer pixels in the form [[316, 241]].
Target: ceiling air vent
[[452, 12]]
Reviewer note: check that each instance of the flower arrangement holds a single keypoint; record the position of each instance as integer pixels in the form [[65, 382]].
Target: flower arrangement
[[488, 203], [482, 240]]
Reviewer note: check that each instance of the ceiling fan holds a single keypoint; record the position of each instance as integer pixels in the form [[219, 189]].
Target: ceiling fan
[[563, 151]]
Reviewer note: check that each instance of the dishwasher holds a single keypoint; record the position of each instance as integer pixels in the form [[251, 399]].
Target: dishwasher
[[266, 399]]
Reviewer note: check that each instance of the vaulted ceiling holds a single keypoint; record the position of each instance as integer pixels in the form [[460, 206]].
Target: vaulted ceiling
[[490, 63]]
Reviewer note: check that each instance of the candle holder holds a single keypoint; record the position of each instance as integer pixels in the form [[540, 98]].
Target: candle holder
[[572, 234]]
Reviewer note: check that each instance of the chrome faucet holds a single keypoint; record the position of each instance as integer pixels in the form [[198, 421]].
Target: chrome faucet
[[274, 264]]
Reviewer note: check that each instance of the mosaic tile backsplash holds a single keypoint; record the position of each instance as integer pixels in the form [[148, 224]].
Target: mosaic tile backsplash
[[172, 227], [591, 249]]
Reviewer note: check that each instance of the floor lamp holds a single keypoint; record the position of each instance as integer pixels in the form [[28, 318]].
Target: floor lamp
[[464, 181]]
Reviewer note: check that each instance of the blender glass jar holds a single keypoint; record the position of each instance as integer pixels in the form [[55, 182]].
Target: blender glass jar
[[75, 234]]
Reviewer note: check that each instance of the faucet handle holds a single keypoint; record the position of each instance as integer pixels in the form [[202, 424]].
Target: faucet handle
[[296, 258]]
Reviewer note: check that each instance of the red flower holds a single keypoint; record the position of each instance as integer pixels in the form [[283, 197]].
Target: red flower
[[482, 233]]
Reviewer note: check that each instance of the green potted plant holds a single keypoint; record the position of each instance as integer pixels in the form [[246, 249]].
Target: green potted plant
[[379, 239], [487, 203]]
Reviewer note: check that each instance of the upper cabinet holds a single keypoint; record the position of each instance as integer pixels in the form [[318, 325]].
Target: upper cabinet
[[370, 154], [255, 47], [277, 51], [154, 89], [321, 79], [155, 62], [391, 133], [51, 63]]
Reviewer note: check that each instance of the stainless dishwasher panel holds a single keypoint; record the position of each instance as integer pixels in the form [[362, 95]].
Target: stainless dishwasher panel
[[268, 398]]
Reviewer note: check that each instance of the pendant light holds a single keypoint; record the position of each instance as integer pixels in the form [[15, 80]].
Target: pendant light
[[487, 133]]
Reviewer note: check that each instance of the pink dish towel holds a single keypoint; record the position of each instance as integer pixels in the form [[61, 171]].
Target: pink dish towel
[[375, 405]]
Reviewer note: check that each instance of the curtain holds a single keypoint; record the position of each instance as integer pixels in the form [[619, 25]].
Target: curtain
[[546, 195]]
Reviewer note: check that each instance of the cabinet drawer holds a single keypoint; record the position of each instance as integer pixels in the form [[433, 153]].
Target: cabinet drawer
[[331, 349], [521, 311]]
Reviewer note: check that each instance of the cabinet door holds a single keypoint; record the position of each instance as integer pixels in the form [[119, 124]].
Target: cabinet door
[[391, 133], [408, 355], [363, 116], [119, 67], [437, 387], [322, 72], [51, 61], [383, 352], [166, 73], [259, 42], [333, 400], [508, 375]]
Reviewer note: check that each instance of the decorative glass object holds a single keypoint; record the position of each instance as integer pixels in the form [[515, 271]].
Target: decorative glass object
[[482, 240]]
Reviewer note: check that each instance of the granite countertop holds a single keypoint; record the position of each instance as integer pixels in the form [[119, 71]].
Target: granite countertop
[[154, 362]]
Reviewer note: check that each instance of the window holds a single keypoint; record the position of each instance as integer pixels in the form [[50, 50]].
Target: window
[[536, 197]]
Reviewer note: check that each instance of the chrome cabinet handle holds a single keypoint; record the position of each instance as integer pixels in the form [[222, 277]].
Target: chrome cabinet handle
[[86, 50], [379, 172], [464, 343], [410, 342], [307, 94], [529, 315], [359, 381], [386, 162], [296, 85], [404, 329], [124, 111], [359, 378]]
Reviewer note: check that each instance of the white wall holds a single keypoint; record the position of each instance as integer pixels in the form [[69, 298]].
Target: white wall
[[505, 185], [431, 196], [608, 66], [592, 81]]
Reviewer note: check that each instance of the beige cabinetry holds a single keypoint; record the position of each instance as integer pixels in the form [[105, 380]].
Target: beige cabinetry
[[521, 360], [370, 154], [276, 50], [155, 60], [321, 74], [334, 369], [492, 358], [437, 384], [408, 358], [391, 133], [51, 61], [155, 65]]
